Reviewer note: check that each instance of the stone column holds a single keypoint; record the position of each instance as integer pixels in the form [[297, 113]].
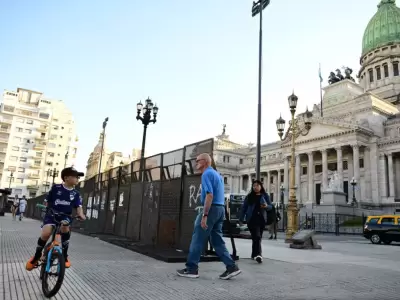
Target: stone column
[[374, 160], [249, 183], [356, 166], [310, 177], [231, 190], [367, 174], [240, 183], [278, 187], [383, 175], [339, 155], [298, 178], [269, 182], [391, 174], [324, 169], [286, 179]]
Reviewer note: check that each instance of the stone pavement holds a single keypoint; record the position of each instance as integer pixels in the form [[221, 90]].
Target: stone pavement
[[342, 270]]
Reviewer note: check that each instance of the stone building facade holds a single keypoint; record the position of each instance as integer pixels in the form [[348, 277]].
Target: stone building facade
[[357, 137]]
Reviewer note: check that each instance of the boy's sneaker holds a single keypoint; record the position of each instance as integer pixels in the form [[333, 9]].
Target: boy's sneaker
[[67, 263], [230, 272], [259, 259], [31, 264], [188, 274]]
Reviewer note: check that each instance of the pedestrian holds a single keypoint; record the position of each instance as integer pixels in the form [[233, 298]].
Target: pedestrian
[[209, 222], [273, 217], [254, 210], [22, 206], [14, 207]]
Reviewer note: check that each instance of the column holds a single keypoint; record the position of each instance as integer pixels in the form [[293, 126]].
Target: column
[[269, 182], [391, 174], [298, 179], [286, 179], [350, 175], [324, 170], [310, 177], [231, 190], [249, 183], [278, 187], [382, 176], [367, 174], [240, 183], [356, 166], [339, 155], [375, 178]]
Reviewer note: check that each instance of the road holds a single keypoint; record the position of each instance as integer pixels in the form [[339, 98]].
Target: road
[[343, 269]]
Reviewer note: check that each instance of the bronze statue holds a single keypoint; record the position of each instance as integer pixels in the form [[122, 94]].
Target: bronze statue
[[339, 75], [333, 78], [223, 129], [348, 71]]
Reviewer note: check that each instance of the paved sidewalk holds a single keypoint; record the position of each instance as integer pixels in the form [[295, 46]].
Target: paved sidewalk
[[104, 271]]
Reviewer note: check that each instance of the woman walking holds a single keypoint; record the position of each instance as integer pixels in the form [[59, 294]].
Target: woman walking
[[254, 210]]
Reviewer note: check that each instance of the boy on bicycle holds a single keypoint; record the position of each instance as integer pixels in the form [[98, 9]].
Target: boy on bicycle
[[62, 198]]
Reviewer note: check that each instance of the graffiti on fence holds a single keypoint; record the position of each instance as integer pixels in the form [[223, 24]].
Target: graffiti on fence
[[121, 199], [194, 195], [151, 194]]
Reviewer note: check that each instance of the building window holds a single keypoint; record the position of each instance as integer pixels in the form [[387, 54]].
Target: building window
[[53, 136], [386, 70], [240, 161], [318, 169], [14, 158], [282, 178], [44, 116], [271, 179], [51, 154], [225, 158], [19, 129], [371, 75], [55, 127], [23, 159], [30, 122], [361, 162], [225, 180], [20, 120], [24, 150], [396, 68], [51, 145], [28, 131], [304, 170], [378, 73], [345, 165], [332, 166], [39, 154], [49, 163], [21, 170], [15, 148], [12, 168], [20, 180], [17, 139], [38, 162]]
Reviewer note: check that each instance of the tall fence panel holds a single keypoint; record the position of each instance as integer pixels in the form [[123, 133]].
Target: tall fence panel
[[112, 199], [135, 211], [122, 205], [150, 211]]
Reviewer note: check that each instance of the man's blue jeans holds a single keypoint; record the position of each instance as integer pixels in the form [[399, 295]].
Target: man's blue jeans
[[215, 221]]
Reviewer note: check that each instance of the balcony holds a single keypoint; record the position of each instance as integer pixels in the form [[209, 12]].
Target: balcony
[[5, 121], [3, 150], [33, 176], [33, 187], [39, 146], [43, 129], [36, 166], [6, 130], [3, 140]]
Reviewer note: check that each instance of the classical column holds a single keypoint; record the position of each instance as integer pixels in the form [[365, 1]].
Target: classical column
[[231, 190], [391, 174], [310, 177], [367, 174], [356, 166], [324, 169], [339, 155], [375, 178], [383, 175], [249, 183], [269, 182], [240, 183], [278, 187], [298, 179], [286, 179]]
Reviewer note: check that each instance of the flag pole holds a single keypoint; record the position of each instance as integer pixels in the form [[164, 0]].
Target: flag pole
[[320, 89]]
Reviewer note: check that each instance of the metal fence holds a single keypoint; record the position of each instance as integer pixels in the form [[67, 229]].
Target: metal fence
[[160, 211]]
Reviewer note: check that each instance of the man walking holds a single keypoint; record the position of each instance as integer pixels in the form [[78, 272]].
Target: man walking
[[209, 222]]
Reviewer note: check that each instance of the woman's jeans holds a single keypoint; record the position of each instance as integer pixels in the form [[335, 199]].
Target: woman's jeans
[[200, 236], [256, 230]]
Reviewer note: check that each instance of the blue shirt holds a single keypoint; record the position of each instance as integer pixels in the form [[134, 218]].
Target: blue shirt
[[212, 183], [62, 199]]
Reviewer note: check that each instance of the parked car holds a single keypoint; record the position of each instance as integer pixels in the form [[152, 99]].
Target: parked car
[[385, 228]]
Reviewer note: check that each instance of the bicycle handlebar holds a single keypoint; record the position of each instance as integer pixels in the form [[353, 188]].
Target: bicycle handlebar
[[44, 207]]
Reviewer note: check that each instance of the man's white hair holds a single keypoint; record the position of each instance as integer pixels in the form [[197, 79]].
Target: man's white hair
[[206, 157]]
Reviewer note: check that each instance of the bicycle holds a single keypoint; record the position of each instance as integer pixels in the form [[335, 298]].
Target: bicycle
[[53, 252]]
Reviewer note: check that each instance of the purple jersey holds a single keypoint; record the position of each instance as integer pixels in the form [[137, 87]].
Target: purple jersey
[[62, 199]]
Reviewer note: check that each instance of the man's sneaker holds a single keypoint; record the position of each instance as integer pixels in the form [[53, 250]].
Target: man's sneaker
[[188, 274], [230, 272], [67, 263], [31, 264], [259, 259]]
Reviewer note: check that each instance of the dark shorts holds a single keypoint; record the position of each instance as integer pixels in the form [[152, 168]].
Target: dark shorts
[[51, 220]]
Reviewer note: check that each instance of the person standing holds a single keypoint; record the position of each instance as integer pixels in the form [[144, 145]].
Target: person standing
[[254, 210], [14, 207], [273, 217], [22, 206], [209, 223]]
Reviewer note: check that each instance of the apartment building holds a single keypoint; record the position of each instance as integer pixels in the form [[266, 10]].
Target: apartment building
[[37, 139]]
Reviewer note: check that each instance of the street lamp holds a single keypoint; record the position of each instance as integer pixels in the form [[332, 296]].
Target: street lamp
[[53, 173], [146, 120], [294, 131], [66, 158], [258, 8], [102, 146], [11, 179], [353, 183]]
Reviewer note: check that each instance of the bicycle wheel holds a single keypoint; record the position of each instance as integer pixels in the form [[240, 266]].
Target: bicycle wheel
[[59, 273]]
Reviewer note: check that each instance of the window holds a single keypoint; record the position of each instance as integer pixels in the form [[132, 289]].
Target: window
[[387, 221], [30, 122], [38, 162], [62, 127], [51, 145], [282, 178], [51, 154], [19, 129], [318, 168], [28, 131], [361, 162], [42, 135], [20, 180], [53, 136], [15, 148], [225, 158], [385, 70], [14, 158], [12, 168], [373, 221], [17, 139], [21, 170], [55, 127], [332, 166], [23, 159], [345, 165], [378, 73], [241, 161], [24, 150], [396, 68], [304, 172], [44, 116], [49, 163], [271, 179], [20, 120], [371, 75], [225, 180]]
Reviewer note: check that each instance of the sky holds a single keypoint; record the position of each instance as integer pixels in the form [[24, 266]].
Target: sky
[[198, 60]]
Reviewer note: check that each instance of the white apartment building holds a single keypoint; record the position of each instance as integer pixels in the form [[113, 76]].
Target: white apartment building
[[36, 135]]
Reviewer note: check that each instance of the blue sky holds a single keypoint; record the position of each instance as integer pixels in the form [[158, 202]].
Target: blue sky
[[198, 60]]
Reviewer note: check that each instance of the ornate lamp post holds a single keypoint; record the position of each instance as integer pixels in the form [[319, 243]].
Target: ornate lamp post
[[292, 132], [353, 183], [66, 158], [102, 149], [53, 173], [146, 120]]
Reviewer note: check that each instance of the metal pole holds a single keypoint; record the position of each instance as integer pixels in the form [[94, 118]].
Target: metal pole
[[258, 155], [101, 152], [11, 177], [65, 161], [142, 160]]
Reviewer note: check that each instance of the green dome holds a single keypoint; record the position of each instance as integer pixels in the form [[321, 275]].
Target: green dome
[[384, 27]]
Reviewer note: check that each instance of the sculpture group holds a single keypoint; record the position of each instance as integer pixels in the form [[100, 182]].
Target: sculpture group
[[334, 184], [333, 78]]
